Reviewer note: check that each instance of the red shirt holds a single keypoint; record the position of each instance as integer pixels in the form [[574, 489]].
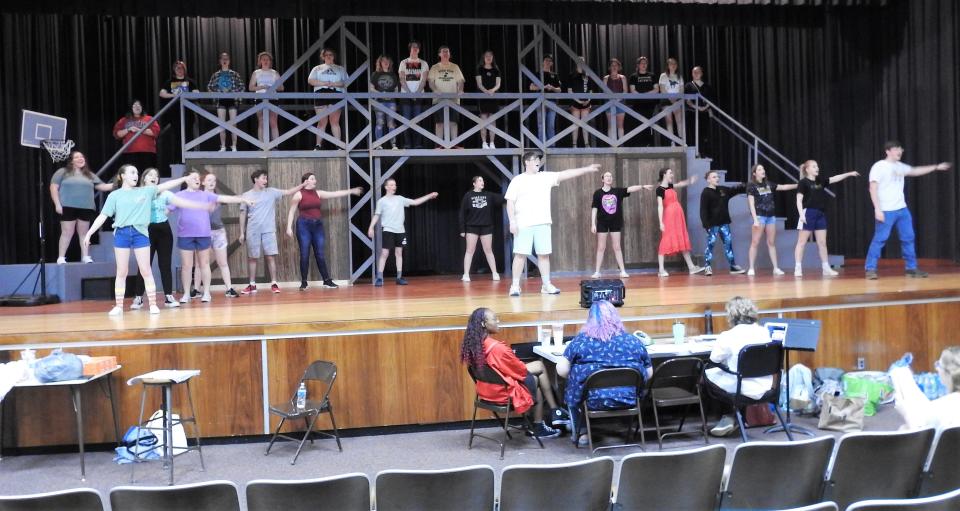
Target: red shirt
[[501, 359], [143, 144], [310, 205]]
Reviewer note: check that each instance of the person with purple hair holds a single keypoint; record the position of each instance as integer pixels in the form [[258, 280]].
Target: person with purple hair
[[602, 343]]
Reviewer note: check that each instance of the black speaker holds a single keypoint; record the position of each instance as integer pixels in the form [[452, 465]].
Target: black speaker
[[611, 290]]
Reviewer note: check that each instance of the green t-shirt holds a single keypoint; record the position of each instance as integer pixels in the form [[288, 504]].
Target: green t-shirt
[[130, 207]]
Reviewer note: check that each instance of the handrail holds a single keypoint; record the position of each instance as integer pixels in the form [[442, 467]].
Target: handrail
[[176, 99]]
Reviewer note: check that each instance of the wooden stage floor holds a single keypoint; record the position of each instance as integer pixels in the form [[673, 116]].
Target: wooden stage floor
[[445, 302]]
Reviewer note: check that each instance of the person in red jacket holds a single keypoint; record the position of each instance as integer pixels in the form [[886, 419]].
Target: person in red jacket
[[528, 384], [142, 153]]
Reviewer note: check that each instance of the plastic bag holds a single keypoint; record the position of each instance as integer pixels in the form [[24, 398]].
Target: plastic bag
[[826, 380], [872, 386], [58, 366], [801, 389]]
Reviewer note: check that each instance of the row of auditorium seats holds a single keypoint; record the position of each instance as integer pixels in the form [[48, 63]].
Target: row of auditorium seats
[[810, 475]]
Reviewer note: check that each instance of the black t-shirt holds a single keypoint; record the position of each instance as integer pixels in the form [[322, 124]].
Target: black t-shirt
[[488, 77], [384, 81], [662, 191], [714, 208], [763, 197], [814, 192], [704, 90], [609, 205], [580, 83], [476, 210], [643, 82], [552, 79], [175, 86]]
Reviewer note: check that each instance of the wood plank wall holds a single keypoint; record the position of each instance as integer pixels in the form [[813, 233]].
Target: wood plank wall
[[408, 377]]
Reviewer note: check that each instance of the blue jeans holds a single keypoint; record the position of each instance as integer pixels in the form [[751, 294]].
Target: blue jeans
[[383, 120], [310, 235], [902, 220], [547, 124], [411, 108], [724, 232]]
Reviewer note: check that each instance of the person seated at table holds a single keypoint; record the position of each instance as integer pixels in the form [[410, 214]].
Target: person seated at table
[[917, 409], [742, 315], [602, 343], [528, 384]]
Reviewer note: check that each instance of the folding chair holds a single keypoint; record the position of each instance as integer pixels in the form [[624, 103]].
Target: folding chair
[[324, 373]]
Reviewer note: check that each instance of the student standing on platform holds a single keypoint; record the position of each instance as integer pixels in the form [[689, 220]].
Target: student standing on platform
[[226, 80], [890, 207], [413, 79], [130, 208], [606, 217], [384, 79], [551, 83], [218, 239], [445, 78], [178, 83], [194, 233], [671, 82], [617, 83], [812, 206], [764, 211], [391, 215], [696, 85], [258, 227], [580, 83], [528, 207], [674, 238], [142, 153], [260, 80], [309, 203], [715, 217], [72, 191], [161, 242], [476, 222], [528, 385], [643, 82], [488, 82], [328, 78]]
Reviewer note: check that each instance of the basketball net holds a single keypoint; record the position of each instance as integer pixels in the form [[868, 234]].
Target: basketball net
[[59, 150]]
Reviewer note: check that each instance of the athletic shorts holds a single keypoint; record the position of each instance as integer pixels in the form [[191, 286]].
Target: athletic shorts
[[392, 240], [71, 214], [265, 240], [479, 230], [193, 242], [324, 100], [767, 220], [816, 220], [226, 104], [218, 238], [533, 238], [438, 116], [609, 225], [129, 237]]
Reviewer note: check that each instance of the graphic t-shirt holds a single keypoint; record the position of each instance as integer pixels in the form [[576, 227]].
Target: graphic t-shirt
[[194, 223], [384, 81], [175, 86], [671, 84], [609, 205], [488, 77], [76, 189], [531, 196], [762, 194], [642, 82], [391, 211], [476, 209], [226, 81], [262, 216], [889, 178], [446, 79], [330, 73], [145, 143], [130, 207], [413, 74], [265, 78], [814, 192]]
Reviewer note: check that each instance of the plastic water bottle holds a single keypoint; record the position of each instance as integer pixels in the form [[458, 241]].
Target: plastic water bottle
[[679, 332], [302, 396], [708, 321], [929, 386]]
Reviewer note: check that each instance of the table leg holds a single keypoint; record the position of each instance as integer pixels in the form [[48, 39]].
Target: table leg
[[168, 428], [78, 408], [113, 408]]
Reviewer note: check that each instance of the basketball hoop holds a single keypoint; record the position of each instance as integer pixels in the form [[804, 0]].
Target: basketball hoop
[[59, 149]]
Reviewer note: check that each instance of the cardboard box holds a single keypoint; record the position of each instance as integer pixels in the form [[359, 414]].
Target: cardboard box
[[97, 365]]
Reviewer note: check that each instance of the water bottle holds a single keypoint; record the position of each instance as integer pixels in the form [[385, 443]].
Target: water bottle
[[708, 321], [929, 386], [679, 332], [302, 396]]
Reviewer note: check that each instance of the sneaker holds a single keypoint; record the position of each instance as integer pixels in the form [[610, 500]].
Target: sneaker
[[624, 275], [275, 288], [736, 270], [394, 146], [378, 148], [484, 146], [559, 417], [829, 272], [596, 275], [549, 289], [316, 147], [401, 281], [777, 271], [697, 269], [137, 303], [871, 274], [495, 277], [378, 282], [465, 278], [917, 274], [185, 299], [751, 273], [233, 148], [303, 285], [223, 148], [206, 297], [583, 441], [514, 290], [170, 301], [798, 271], [232, 293], [87, 260], [194, 293], [251, 288], [726, 426], [154, 309], [491, 145], [117, 310], [708, 271], [541, 430], [61, 260], [665, 274], [329, 284]]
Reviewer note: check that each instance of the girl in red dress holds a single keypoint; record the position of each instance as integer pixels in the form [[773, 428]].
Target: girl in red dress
[[673, 226]]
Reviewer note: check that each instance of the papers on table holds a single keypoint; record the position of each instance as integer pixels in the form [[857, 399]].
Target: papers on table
[[164, 376]]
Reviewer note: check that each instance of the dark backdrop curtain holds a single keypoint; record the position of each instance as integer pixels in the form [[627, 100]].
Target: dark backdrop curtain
[[821, 83]]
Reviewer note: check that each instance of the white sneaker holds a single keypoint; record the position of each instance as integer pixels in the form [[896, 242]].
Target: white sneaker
[[233, 148], [484, 146], [514, 290], [223, 148], [87, 260], [694, 271], [665, 274], [154, 309], [496, 277], [492, 146], [797, 271], [596, 275], [549, 289], [61, 260], [829, 272], [624, 275], [465, 278], [117, 310], [171, 301], [137, 303], [206, 297], [185, 298], [777, 271], [750, 272]]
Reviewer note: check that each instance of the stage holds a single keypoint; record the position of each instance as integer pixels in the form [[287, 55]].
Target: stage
[[397, 348]]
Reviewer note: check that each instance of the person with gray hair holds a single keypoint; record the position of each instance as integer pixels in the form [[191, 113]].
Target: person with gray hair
[[742, 315], [917, 409]]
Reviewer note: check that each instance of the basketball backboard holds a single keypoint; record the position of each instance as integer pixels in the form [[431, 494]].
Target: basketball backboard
[[37, 127]]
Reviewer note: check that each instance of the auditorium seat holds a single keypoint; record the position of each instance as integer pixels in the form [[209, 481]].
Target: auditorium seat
[[82, 499], [465, 489], [347, 492], [671, 480], [208, 496], [582, 485], [794, 469], [946, 502], [943, 473]]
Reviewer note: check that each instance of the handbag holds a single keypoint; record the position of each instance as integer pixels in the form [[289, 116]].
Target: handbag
[[759, 415], [841, 413]]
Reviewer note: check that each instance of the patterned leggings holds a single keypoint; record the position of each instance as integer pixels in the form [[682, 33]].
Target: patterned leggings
[[724, 232]]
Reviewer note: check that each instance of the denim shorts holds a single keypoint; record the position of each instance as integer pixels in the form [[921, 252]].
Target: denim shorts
[[193, 242], [767, 220], [129, 237], [816, 220]]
